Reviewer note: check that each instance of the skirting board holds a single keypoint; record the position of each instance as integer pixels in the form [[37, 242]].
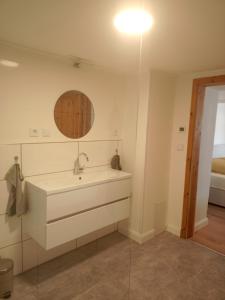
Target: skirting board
[[176, 231], [140, 238], [202, 223], [173, 230]]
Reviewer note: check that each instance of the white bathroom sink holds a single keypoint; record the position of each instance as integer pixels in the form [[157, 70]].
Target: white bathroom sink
[[63, 206], [66, 181]]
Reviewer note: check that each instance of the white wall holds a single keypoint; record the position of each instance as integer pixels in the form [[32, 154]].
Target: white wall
[[28, 95], [221, 93], [178, 158], [219, 138], [134, 227], [152, 163], [27, 98], [160, 116], [205, 157]]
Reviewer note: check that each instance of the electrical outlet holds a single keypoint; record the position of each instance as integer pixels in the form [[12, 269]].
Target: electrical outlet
[[45, 132], [33, 132], [115, 133]]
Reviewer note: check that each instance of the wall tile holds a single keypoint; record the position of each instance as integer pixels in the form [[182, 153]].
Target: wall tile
[[10, 230], [34, 255], [30, 255], [7, 153], [25, 235], [13, 252], [3, 196], [48, 158], [99, 153]]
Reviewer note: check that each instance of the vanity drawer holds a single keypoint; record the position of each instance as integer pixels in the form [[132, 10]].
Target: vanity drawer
[[78, 200], [70, 228]]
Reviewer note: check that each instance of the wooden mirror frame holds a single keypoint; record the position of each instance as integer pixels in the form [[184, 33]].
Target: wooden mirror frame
[[74, 114]]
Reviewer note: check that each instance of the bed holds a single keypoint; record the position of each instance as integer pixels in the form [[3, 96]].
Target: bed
[[217, 189], [217, 186]]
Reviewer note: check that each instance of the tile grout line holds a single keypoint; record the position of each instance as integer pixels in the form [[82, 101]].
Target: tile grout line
[[10, 245], [56, 172], [21, 222], [60, 142], [78, 143], [22, 262]]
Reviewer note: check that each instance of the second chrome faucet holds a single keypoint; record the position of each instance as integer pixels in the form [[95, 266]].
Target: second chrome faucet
[[77, 167]]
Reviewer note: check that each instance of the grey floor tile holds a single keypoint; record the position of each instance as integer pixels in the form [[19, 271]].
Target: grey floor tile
[[114, 267]]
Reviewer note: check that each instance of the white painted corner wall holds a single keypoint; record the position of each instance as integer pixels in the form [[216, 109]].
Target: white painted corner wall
[[152, 162]]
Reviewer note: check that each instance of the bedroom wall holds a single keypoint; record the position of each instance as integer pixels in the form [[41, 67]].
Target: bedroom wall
[[205, 158], [219, 139]]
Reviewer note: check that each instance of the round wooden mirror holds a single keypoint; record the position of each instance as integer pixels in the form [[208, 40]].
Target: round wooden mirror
[[74, 114]]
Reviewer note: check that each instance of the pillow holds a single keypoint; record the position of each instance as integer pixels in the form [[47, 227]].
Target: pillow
[[218, 165]]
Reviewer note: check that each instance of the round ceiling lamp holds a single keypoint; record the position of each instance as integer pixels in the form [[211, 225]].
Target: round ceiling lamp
[[133, 21]]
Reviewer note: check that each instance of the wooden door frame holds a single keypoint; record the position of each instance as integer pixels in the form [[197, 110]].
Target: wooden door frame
[[193, 151]]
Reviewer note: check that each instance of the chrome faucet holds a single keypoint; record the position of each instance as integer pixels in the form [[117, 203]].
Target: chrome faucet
[[77, 167]]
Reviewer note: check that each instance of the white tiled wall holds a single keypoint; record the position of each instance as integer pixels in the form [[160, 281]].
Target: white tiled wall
[[34, 255], [99, 153], [41, 158], [13, 252], [7, 154], [3, 196], [48, 158], [10, 230]]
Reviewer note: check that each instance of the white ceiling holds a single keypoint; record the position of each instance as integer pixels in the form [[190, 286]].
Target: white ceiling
[[188, 35]]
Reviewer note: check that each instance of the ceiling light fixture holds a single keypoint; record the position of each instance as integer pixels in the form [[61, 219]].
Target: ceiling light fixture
[[133, 21], [9, 63]]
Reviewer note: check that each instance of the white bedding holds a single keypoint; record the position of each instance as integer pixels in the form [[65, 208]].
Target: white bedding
[[217, 181]]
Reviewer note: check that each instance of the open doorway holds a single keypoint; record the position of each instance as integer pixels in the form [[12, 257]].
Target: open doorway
[[209, 228], [194, 218]]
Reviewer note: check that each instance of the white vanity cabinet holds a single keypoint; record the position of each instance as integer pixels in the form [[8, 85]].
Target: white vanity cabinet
[[66, 207]]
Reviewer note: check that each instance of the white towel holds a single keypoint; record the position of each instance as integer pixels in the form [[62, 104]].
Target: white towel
[[16, 203]]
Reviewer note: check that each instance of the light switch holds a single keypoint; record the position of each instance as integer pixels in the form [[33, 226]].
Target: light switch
[[33, 132], [181, 129]]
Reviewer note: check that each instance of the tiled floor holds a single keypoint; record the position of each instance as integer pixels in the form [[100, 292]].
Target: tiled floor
[[115, 268], [213, 235]]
